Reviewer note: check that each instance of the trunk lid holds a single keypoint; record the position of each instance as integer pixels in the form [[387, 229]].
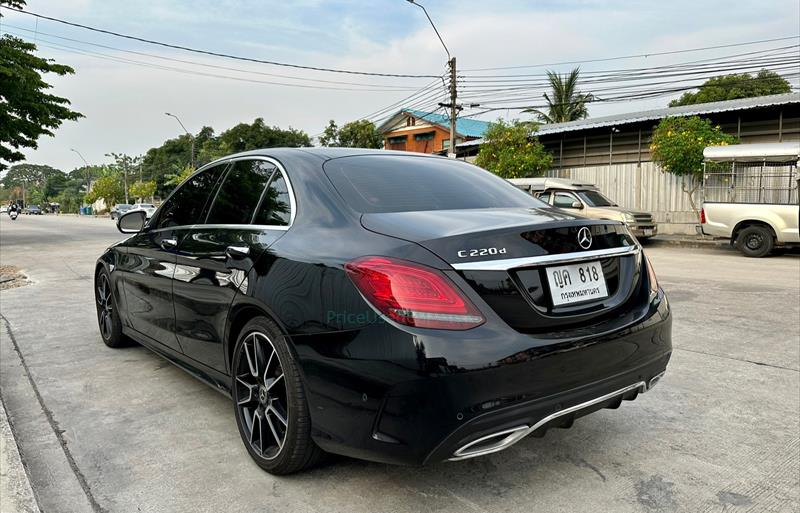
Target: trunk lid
[[505, 254]]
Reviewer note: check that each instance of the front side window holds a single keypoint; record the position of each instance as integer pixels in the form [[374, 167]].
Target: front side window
[[276, 207], [545, 196], [186, 204], [564, 200], [240, 192]]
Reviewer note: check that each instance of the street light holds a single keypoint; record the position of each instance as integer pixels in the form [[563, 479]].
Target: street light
[[451, 62], [88, 175], [187, 133]]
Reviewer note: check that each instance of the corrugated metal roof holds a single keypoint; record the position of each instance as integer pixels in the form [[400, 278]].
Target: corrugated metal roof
[[464, 126], [655, 114]]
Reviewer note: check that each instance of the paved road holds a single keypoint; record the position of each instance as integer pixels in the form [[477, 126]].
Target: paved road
[[122, 430]]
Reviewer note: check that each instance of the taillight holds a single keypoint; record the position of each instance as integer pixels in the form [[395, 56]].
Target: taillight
[[413, 294], [651, 275], [702, 216]]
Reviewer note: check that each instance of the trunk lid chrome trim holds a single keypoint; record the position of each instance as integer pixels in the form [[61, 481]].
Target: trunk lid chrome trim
[[514, 263]]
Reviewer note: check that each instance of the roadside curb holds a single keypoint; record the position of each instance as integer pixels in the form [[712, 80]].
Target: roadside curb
[[16, 492], [687, 242]]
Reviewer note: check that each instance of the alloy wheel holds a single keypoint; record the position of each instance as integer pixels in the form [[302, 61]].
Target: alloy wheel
[[261, 395], [105, 309]]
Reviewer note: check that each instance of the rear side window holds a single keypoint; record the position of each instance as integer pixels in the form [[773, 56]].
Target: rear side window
[[240, 192], [391, 183], [186, 205], [276, 208]]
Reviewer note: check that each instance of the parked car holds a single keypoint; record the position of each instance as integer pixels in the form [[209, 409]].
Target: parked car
[[119, 209], [588, 201], [148, 208], [33, 210], [750, 196], [387, 306], [3, 209]]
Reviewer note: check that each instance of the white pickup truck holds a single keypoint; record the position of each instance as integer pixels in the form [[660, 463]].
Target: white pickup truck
[[750, 195]]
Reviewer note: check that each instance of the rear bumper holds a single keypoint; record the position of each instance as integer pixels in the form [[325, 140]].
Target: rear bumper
[[429, 407]]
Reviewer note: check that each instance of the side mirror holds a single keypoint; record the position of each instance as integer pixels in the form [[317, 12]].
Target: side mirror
[[131, 222], [576, 204]]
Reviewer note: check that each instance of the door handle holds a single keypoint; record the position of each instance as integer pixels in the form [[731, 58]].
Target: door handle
[[237, 252], [169, 244]]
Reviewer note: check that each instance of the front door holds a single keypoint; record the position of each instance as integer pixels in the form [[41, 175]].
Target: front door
[[214, 258], [148, 267]]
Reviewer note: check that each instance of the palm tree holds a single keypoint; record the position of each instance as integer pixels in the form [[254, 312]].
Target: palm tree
[[566, 103]]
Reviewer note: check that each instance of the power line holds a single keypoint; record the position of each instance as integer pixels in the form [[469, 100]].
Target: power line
[[654, 54], [216, 54], [124, 60], [203, 64]]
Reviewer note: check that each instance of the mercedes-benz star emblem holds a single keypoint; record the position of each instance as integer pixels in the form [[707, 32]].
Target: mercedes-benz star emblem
[[584, 238]]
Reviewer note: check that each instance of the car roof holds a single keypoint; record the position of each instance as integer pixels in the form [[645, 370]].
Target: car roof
[[320, 153]]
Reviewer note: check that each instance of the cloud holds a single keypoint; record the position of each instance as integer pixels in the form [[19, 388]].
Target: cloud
[[124, 104]]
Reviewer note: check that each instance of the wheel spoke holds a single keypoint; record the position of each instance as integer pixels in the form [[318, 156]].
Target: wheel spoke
[[107, 323], [278, 439], [273, 382], [266, 369], [250, 396], [278, 415], [260, 416], [251, 361]]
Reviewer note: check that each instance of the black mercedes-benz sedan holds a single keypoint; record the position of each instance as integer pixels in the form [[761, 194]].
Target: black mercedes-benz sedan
[[389, 306]]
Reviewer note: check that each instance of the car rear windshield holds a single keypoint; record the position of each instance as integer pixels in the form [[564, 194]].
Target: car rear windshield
[[394, 183]]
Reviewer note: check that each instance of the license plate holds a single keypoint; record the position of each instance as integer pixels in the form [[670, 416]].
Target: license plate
[[576, 283], [648, 232]]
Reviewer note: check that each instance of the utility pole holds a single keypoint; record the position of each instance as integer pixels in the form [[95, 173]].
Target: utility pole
[[451, 150], [451, 62]]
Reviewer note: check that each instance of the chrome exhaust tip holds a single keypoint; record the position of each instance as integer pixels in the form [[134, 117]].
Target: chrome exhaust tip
[[491, 443], [655, 379]]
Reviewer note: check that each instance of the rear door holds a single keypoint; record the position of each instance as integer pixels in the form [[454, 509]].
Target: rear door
[[148, 264], [250, 211]]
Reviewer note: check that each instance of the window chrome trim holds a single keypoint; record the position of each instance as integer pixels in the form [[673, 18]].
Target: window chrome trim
[[513, 263], [280, 168], [227, 161]]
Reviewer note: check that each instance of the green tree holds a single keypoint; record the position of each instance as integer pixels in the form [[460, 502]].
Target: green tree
[[356, 134], [28, 174], [143, 190], [732, 87], [27, 110], [54, 185], [245, 137], [175, 179], [512, 150], [677, 147], [565, 102], [108, 188], [330, 136]]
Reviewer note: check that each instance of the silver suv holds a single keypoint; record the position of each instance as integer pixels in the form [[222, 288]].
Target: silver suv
[[587, 199]]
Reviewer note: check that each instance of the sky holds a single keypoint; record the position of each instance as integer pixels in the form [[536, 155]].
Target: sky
[[124, 102]]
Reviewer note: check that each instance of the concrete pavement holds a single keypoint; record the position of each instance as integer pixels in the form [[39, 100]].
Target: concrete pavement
[[122, 430]]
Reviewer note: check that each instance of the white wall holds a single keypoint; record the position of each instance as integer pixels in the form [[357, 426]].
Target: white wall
[[642, 188]]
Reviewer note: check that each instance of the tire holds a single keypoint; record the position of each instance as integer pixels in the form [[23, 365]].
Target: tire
[[755, 241], [269, 401], [108, 321]]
